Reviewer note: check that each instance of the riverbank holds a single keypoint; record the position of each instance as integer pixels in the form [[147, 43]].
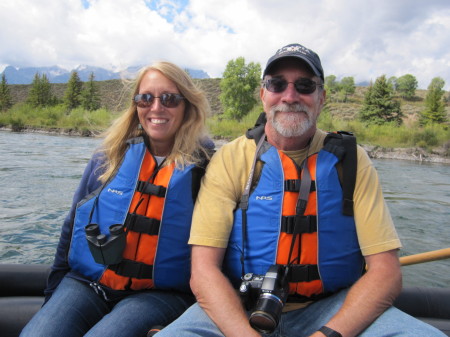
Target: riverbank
[[377, 152], [414, 154]]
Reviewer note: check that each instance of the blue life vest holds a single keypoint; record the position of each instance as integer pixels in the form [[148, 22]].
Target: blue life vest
[[339, 259], [110, 204]]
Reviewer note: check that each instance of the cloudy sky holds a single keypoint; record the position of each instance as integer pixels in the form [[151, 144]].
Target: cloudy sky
[[360, 38]]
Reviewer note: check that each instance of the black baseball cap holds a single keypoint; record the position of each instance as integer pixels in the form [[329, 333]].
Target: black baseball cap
[[296, 50]]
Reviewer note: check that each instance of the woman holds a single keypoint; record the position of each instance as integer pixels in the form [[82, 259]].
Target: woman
[[122, 262]]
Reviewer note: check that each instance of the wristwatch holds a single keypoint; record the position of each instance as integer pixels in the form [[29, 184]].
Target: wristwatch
[[329, 332]]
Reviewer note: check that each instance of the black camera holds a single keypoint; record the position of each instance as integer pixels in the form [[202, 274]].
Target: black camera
[[269, 292], [106, 250]]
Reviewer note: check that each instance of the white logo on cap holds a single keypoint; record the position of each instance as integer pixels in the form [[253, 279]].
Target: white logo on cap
[[293, 49]]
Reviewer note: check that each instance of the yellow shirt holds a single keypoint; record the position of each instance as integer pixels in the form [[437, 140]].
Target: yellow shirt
[[228, 171]]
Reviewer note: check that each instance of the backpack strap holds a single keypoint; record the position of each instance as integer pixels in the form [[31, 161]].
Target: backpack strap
[[199, 171], [343, 145], [257, 131]]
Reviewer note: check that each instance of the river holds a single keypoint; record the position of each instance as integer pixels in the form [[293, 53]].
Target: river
[[39, 174]]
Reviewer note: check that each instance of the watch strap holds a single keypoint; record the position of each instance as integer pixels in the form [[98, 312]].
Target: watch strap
[[329, 332]]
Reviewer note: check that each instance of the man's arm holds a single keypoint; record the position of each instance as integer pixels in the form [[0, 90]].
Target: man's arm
[[215, 293], [370, 296]]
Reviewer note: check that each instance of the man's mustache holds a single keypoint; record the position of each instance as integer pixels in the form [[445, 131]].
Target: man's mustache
[[296, 107]]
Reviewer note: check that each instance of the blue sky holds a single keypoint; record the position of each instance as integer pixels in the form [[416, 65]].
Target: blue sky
[[363, 39]]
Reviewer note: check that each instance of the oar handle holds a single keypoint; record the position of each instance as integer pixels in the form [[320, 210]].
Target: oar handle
[[433, 255]]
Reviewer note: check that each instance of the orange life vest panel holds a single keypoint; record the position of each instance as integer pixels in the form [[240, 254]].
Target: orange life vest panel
[[141, 247], [305, 247]]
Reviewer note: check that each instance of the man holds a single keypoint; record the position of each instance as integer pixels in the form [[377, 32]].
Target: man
[[253, 214]]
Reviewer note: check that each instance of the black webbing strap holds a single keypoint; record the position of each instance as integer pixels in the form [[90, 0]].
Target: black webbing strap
[[142, 224], [299, 224], [243, 204], [303, 273], [300, 207], [146, 187], [258, 130], [349, 178], [343, 145], [133, 269], [293, 185]]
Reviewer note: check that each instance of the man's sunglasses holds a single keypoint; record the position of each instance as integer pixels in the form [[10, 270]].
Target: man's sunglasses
[[167, 100], [302, 85]]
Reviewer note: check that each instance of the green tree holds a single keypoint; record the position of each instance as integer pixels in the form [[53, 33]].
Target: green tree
[[347, 87], [331, 85], [434, 111], [379, 107], [72, 95], [406, 86], [90, 96], [40, 94], [238, 86], [5, 95], [447, 98], [393, 82]]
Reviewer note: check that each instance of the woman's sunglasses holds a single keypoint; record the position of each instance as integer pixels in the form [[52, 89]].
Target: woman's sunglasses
[[167, 100], [302, 85]]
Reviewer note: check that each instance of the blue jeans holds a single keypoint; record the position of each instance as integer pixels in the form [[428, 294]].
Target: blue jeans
[[76, 310], [304, 322]]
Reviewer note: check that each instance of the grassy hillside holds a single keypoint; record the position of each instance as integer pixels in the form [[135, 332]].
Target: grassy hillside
[[348, 110], [115, 95], [337, 115]]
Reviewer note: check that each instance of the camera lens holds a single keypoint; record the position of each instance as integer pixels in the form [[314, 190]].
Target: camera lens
[[267, 313]]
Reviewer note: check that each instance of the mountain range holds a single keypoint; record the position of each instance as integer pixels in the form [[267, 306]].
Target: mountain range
[[56, 74]]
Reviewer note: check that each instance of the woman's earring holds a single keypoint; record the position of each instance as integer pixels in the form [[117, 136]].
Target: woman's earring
[[139, 126]]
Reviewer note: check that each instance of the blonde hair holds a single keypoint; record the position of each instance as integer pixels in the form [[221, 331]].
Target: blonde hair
[[187, 146]]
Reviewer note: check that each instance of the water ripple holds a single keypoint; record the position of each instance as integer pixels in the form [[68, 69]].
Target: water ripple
[[39, 174]]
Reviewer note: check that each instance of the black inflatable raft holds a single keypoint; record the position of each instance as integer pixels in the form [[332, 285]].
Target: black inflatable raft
[[21, 295]]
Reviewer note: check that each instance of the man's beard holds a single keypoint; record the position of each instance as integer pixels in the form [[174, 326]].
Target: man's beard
[[294, 124]]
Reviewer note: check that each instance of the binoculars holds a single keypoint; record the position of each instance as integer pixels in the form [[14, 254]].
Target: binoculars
[[106, 250]]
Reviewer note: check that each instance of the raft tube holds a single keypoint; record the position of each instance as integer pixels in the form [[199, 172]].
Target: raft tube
[[22, 294]]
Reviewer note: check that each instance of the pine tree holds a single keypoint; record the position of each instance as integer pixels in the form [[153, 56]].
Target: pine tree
[[89, 96], [40, 94], [379, 107], [46, 91], [72, 95], [238, 87], [434, 111], [5, 95]]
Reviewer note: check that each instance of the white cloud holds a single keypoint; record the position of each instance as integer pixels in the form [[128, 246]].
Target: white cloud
[[363, 39]]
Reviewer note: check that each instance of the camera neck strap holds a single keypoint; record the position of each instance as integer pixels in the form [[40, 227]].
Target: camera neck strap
[[243, 205]]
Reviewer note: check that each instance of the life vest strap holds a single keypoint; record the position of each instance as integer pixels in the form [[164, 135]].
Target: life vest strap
[[293, 185], [142, 224], [133, 269], [299, 224], [303, 273], [149, 188]]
